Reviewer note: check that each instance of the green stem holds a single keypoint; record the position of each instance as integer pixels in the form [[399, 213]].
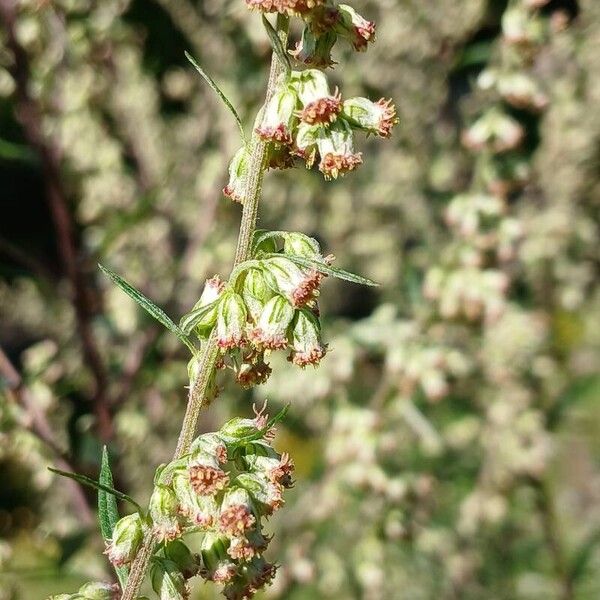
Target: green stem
[[209, 354]]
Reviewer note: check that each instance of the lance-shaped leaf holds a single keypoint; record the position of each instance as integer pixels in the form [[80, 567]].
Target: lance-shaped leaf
[[326, 269], [84, 480], [108, 513], [277, 45], [219, 93], [148, 306]]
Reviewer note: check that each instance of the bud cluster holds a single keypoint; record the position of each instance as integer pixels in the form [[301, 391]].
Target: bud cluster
[[305, 119], [271, 305], [231, 480]]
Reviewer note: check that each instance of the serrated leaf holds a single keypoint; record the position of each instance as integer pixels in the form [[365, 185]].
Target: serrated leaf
[[191, 319], [219, 93], [277, 45], [149, 306], [108, 513], [84, 480], [328, 269]]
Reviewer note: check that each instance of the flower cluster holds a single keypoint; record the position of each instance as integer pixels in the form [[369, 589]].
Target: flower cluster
[[305, 119], [224, 487], [271, 304], [325, 22]]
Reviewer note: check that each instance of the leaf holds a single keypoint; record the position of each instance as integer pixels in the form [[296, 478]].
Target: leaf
[[277, 45], [84, 480], [108, 513], [148, 306], [219, 93], [328, 269], [191, 319]]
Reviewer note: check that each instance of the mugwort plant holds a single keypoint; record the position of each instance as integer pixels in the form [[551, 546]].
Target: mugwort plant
[[224, 484]]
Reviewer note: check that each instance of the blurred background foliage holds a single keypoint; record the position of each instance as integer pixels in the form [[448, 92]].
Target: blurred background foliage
[[448, 447]]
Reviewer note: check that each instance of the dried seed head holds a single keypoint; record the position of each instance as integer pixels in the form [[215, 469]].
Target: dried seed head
[[164, 511], [253, 371], [126, 539]]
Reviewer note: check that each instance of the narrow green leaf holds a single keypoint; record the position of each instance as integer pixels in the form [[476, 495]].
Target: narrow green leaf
[[191, 319], [277, 45], [328, 269], [108, 513], [84, 480], [148, 306], [219, 93]]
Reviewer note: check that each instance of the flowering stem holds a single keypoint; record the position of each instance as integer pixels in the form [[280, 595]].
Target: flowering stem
[[209, 354]]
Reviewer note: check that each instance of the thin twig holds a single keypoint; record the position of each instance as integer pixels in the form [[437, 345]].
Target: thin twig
[[29, 115]]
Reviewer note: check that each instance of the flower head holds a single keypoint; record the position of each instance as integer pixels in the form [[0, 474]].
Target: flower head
[[336, 147], [354, 27], [200, 510], [270, 331], [300, 285], [231, 321], [373, 117], [307, 348], [279, 116], [126, 539], [99, 591], [255, 292], [251, 577], [164, 510], [314, 50], [205, 474], [217, 566], [238, 171], [237, 512], [213, 288]]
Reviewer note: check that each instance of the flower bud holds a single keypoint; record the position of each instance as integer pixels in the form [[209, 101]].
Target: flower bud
[[237, 512], [252, 576], [213, 288], [315, 50], [238, 172], [211, 443], [373, 117], [217, 566], [187, 563], [355, 28], [310, 85], [205, 474], [168, 581], [126, 540], [267, 496], [62, 597], [255, 292], [336, 147], [299, 244], [279, 117], [99, 591], [237, 429], [163, 509], [270, 332], [305, 144], [298, 284], [231, 321], [277, 469], [307, 348], [201, 511]]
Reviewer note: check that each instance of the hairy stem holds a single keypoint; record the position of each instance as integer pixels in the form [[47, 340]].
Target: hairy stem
[[209, 353]]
